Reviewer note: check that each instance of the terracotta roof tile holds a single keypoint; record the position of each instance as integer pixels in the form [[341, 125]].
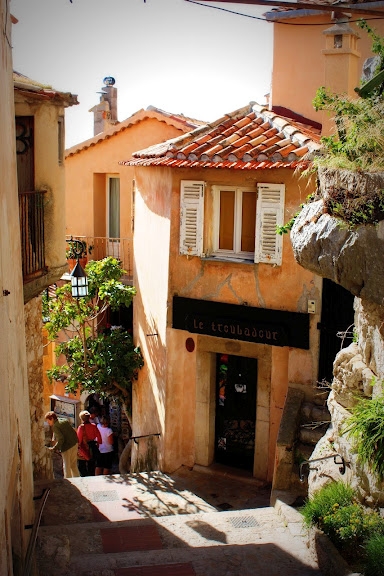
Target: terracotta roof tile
[[287, 149], [250, 138], [212, 151], [272, 140], [271, 132], [284, 142], [243, 150], [301, 151], [257, 141], [230, 132], [231, 139], [241, 141], [271, 150], [243, 122], [189, 148], [257, 132], [204, 138]]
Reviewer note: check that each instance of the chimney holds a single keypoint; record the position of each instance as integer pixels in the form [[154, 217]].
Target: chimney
[[341, 64], [105, 113]]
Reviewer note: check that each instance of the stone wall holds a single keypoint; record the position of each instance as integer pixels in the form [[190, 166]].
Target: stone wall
[[41, 457], [358, 372], [353, 258]]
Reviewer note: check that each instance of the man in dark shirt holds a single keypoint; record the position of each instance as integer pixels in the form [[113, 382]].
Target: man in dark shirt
[[65, 440]]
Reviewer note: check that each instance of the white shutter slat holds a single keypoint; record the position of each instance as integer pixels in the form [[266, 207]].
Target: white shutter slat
[[191, 217], [269, 214]]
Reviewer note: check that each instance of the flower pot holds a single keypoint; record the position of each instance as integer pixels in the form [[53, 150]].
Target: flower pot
[[72, 263]]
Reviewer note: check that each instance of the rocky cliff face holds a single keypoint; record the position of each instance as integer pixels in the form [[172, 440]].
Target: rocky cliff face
[[324, 244], [358, 371], [354, 259]]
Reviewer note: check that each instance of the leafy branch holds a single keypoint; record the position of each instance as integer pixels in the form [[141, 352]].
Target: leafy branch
[[359, 141], [99, 361]]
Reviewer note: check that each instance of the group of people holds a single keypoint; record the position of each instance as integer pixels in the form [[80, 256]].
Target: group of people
[[87, 451]]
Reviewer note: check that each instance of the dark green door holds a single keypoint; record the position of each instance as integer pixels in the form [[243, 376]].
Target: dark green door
[[236, 384]]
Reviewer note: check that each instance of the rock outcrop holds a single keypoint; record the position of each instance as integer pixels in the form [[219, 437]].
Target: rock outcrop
[[358, 372], [353, 258], [323, 243]]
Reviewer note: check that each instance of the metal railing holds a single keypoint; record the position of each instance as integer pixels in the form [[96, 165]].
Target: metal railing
[[31, 214], [35, 527], [98, 247], [308, 462], [135, 438]]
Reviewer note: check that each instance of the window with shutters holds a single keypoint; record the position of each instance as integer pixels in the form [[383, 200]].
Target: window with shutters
[[244, 221]]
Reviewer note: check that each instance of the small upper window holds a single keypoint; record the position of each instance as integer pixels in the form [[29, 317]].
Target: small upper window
[[235, 221], [243, 224]]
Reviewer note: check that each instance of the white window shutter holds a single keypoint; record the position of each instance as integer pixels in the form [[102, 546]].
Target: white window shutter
[[269, 214], [191, 217]]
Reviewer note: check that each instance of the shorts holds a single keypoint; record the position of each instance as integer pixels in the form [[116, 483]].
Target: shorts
[[104, 460]]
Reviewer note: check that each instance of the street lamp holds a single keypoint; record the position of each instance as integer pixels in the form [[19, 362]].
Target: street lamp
[[79, 280]]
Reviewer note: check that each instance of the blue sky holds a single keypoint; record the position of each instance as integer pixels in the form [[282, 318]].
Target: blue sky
[[173, 54]]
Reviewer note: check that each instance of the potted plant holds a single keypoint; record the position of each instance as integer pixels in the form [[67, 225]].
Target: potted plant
[[77, 250]]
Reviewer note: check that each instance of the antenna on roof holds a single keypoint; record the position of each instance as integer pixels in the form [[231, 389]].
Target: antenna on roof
[[109, 81]]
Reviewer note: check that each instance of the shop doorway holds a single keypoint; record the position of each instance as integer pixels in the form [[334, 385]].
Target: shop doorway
[[236, 390], [337, 317]]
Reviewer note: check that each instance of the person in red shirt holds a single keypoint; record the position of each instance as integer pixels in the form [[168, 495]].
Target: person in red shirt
[[89, 440]]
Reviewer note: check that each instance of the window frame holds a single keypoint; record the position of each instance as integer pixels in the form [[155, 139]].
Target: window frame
[[109, 178], [236, 253]]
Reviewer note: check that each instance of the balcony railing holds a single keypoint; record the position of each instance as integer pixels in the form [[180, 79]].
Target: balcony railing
[[98, 247], [31, 213]]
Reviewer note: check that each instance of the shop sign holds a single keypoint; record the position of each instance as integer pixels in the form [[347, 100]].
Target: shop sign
[[237, 329], [246, 323]]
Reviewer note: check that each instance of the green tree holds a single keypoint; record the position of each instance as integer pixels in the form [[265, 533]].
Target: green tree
[[100, 361]]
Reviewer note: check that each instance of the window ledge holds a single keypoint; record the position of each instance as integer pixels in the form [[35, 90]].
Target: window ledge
[[233, 260]]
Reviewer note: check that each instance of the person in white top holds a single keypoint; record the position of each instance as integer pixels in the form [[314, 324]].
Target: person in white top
[[105, 458]]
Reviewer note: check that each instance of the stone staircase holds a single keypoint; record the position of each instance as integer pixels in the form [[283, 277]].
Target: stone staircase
[[156, 525]]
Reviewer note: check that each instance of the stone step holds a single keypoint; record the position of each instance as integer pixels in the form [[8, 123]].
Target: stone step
[[211, 543], [117, 498]]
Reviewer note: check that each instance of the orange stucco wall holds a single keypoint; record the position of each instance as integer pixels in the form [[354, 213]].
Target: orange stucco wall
[[16, 479], [86, 177], [49, 176], [151, 272], [172, 388], [299, 65]]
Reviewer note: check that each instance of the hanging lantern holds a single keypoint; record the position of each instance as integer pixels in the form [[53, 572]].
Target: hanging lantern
[[79, 281]]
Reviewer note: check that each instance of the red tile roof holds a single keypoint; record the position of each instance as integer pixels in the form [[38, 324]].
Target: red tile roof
[[251, 137]]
